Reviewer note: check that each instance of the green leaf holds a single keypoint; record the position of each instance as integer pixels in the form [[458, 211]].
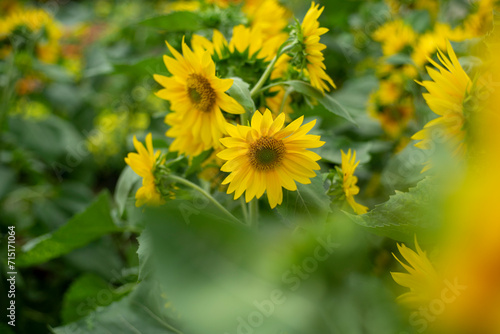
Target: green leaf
[[240, 91], [176, 21], [144, 310], [128, 178], [81, 229], [195, 165], [327, 101], [87, 293], [309, 202], [405, 213]]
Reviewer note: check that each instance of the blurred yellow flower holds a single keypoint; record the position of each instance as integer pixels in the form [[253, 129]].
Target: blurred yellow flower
[[349, 181], [394, 36], [143, 164], [421, 277], [446, 95], [267, 15], [266, 157], [311, 32], [38, 22], [196, 97]]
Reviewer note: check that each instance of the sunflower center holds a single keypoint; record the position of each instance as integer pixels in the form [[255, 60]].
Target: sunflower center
[[200, 92], [266, 153]]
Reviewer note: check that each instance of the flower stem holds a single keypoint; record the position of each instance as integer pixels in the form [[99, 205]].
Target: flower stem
[[253, 216], [206, 194], [269, 69]]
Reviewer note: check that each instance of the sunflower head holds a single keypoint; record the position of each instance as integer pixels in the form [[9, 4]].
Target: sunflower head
[[308, 56], [266, 156], [144, 163], [447, 93], [197, 97]]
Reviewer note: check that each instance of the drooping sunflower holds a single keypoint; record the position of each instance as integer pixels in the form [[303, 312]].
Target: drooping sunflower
[[196, 96], [267, 156], [143, 163], [311, 32], [446, 96], [421, 278], [349, 181]]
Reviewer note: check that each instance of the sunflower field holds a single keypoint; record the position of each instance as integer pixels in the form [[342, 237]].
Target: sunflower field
[[250, 167]]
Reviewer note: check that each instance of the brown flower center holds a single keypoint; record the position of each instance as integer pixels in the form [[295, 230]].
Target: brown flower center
[[266, 153], [200, 92]]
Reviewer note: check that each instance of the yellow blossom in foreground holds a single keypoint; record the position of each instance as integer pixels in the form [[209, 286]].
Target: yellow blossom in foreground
[[349, 181], [446, 95], [143, 164], [196, 96], [421, 277], [267, 156], [311, 32]]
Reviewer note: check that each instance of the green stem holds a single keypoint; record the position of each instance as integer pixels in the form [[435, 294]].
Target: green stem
[[285, 96], [244, 118], [244, 208], [190, 184], [253, 217], [269, 69]]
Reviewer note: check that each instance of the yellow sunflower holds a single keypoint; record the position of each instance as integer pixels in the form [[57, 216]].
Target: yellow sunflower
[[268, 15], [196, 97], [266, 157], [394, 36], [422, 279], [311, 32], [349, 181], [143, 164], [446, 95]]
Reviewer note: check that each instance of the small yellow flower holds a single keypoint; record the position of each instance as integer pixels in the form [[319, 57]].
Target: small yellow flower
[[143, 164], [350, 188], [446, 95], [196, 97], [266, 157], [422, 279], [311, 32]]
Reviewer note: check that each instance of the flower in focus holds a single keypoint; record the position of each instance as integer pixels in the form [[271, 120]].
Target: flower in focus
[[446, 95], [349, 181], [311, 32], [143, 163], [421, 277], [196, 97], [267, 156]]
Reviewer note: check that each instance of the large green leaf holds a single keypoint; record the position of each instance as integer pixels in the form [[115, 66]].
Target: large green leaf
[[326, 100], [405, 213], [176, 21], [240, 92], [87, 293], [83, 228], [128, 178], [308, 203], [144, 310]]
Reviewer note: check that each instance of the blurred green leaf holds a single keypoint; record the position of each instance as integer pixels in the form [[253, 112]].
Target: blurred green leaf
[[142, 311], [405, 213], [85, 294], [326, 100], [176, 21], [128, 178], [81, 229], [240, 91]]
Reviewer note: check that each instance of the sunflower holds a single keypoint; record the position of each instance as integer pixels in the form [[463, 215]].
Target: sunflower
[[349, 181], [394, 36], [143, 164], [446, 95], [266, 157], [196, 96], [422, 278], [311, 33], [268, 15]]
